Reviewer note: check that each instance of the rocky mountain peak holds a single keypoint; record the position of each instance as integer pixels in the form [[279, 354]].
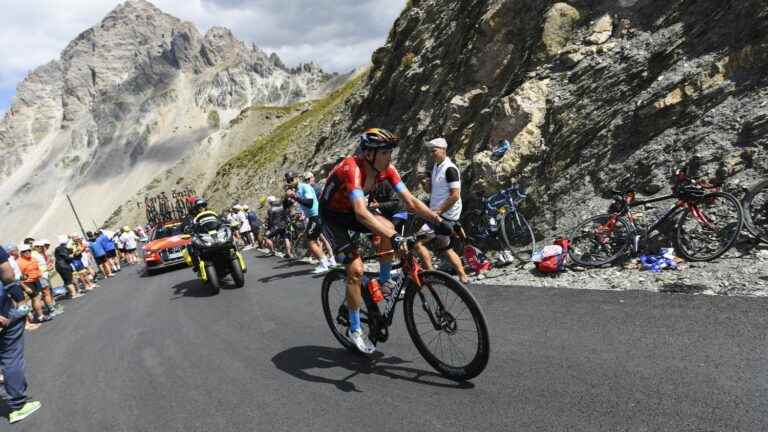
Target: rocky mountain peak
[[126, 100]]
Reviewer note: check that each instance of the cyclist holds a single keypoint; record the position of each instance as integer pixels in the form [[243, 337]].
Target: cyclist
[[343, 208], [304, 194]]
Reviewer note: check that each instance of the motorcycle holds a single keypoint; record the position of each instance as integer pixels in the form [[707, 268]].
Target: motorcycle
[[217, 257]]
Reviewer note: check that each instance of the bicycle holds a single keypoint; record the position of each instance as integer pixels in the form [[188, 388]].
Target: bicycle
[[499, 223], [707, 225], [426, 307], [755, 206]]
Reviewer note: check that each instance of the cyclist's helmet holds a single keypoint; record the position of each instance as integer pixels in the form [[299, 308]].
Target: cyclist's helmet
[[378, 139], [200, 204]]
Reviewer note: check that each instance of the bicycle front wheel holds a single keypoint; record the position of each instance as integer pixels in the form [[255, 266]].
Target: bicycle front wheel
[[755, 207], [447, 326], [600, 240], [518, 236], [709, 228]]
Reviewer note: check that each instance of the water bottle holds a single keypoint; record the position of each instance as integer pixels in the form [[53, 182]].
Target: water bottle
[[374, 288], [492, 224]]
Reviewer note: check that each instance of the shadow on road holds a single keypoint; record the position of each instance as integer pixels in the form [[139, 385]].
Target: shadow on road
[[290, 262], [143, 272], [285, 275], [683, 288], [300, 361], [191, 288]]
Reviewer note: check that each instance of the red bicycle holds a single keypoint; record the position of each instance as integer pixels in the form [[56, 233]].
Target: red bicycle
[[708, 223]]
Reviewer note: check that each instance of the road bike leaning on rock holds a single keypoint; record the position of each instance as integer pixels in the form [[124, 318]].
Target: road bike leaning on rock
[[498, 223], [707, 225], [443, 319]]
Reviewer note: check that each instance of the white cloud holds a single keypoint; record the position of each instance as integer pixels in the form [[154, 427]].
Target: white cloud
[[337, 34]]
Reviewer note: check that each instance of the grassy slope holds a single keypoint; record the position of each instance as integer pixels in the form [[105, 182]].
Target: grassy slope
[[272, 146], [243, 175]]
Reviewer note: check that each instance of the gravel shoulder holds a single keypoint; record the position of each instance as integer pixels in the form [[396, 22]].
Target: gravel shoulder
[[741, 272]]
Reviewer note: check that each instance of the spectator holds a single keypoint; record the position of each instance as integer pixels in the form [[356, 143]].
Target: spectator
[[31, 274], [13, 253], [79, 270], [109, 247], [63, 258], [245, 226], [309, 179], [45, 264], [12, 350], [99, 255], [256, 225], [445, 200], [129, 239]]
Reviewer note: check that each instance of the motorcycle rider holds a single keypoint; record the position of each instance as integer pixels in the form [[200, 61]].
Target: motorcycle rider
[[202, 220]]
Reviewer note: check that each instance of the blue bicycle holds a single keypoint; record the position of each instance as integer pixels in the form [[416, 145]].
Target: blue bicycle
[[498, 225]]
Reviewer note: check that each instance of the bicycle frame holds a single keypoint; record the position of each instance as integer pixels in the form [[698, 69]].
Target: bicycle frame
[[411, 280], [643, 234]]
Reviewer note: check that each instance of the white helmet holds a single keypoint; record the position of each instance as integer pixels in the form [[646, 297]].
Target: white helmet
[[272, 199]]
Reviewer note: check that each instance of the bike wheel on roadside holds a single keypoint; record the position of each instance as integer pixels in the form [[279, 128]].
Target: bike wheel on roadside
[[447, 326], [755, 208], [710, 228], [594, 242], [518, 236]]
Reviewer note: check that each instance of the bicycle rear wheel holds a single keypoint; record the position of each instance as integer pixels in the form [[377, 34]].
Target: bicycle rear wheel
[[595, 243], [755, 207], [447, 326], [334, 298], [711, 229], [518, 236]]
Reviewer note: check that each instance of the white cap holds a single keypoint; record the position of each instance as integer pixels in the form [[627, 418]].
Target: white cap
[[437, 142], [63, 239], [24, 247], [38, 243], [45, 242], [308, 175], [272, 198]]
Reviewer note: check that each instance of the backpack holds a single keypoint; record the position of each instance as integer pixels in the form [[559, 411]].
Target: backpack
[[554, 263], [476, 259]]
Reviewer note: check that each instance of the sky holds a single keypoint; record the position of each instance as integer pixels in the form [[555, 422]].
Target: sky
[[339, 35]]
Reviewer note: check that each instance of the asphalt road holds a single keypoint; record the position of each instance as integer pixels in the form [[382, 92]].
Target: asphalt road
[[158, 354]]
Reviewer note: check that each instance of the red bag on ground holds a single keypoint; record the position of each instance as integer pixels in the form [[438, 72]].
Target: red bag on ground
[[555, 263]]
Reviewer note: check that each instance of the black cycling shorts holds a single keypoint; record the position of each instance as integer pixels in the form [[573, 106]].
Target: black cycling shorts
[[314, 228], [336, 228]]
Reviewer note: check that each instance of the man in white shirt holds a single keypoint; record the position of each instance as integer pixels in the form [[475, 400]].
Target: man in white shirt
[[129, 240], [445, 199]]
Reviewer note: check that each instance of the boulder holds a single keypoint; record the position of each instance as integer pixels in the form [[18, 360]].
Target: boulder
[[559, 24], [601, 30]]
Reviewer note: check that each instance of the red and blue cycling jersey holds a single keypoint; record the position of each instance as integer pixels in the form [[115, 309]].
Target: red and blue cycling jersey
[[346, 183]]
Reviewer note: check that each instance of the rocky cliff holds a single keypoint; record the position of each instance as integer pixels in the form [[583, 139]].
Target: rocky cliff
[[593, 95], [127, 100]]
